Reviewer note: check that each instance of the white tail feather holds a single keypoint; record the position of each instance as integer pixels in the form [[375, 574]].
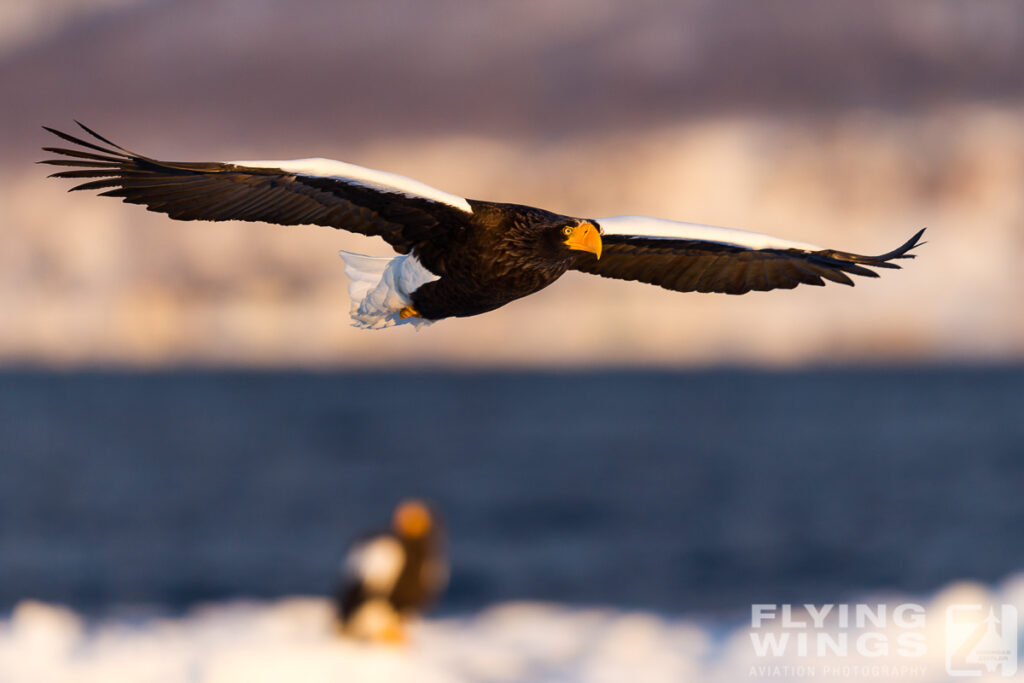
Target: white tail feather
[[382, 287]]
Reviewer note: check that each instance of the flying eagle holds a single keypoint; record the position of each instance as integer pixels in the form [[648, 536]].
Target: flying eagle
[[457, 257]]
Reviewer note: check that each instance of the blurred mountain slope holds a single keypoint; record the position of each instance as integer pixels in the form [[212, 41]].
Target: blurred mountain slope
[[23, 23], [844, 124], [302, 72]]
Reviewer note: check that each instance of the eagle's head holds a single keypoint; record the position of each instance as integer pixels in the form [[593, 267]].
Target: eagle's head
[[565, 236], [413, 520]]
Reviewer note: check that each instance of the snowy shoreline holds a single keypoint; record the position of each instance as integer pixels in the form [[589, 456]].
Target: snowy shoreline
[[293, 639]]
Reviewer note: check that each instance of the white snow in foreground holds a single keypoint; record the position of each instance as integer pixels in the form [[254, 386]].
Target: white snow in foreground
[[292, 640]]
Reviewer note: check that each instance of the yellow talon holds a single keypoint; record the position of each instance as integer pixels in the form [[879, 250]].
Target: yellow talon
[[408, 312], [392, 634]]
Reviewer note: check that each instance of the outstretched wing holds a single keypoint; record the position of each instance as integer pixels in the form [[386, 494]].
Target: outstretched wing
[[405, 212], [687, 257]]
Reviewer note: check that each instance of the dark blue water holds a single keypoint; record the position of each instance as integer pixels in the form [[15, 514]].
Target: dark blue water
[[666, 490]]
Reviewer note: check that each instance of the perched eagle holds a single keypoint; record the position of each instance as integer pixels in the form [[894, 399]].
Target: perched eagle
[[390, 576], [457, 256]]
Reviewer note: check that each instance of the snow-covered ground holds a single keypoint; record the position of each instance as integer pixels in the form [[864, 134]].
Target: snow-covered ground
[[293, 640]]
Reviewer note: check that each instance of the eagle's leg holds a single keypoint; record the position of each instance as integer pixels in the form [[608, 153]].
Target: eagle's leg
[[408, 312]]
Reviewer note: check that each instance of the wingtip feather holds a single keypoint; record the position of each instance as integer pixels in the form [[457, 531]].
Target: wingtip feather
[[96, 135], [77, 141]]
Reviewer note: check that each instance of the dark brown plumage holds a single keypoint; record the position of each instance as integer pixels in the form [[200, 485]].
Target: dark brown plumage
[[468, 256], [700, 266]]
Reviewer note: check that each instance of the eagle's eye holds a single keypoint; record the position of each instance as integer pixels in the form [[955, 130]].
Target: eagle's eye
[[567, 230]]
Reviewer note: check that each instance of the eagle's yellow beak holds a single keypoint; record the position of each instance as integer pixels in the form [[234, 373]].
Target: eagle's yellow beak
[[585, 237]]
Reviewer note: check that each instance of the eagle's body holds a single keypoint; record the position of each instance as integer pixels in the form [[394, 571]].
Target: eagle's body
[[391, 576], [457, 257], [499, 256]]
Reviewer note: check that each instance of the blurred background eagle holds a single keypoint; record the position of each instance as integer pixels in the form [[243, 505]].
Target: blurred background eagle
[[391, 576]]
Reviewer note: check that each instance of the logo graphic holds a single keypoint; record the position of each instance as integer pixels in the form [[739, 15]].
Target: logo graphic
[[981, 639]]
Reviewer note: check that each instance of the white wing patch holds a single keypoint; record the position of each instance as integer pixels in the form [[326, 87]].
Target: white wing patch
[[382, 287], [367, 177], [376, 563], [659, 228]]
